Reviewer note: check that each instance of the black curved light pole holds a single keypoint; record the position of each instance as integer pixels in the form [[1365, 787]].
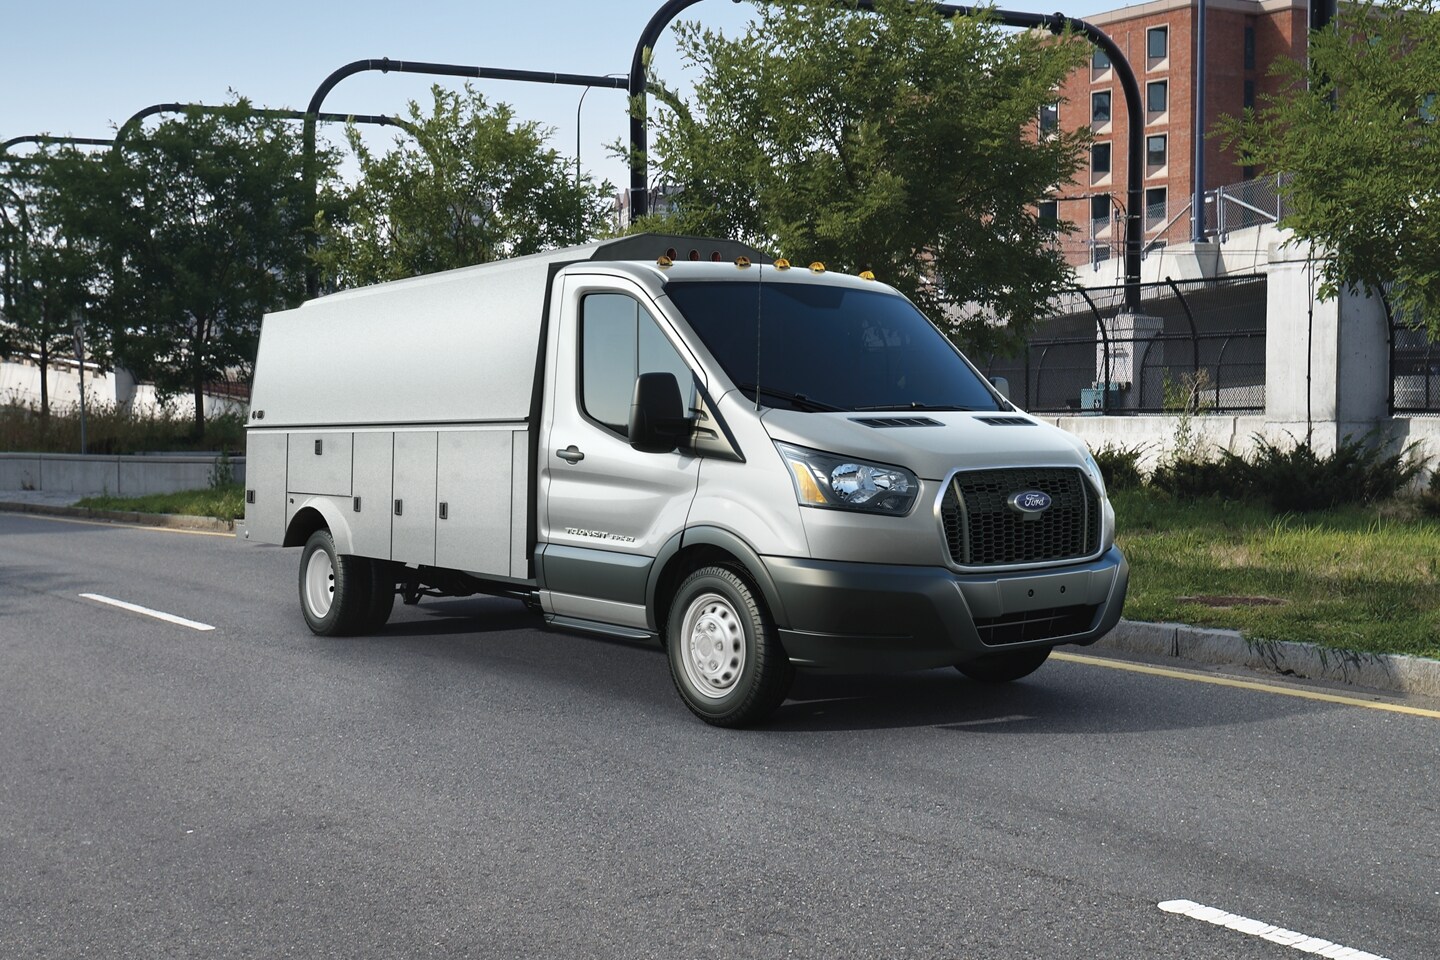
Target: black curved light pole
[[1054, 22], [386, 65], [128, 128], [46, 138]]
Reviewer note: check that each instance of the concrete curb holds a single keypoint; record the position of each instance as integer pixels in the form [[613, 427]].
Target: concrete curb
[[168, 520], [1392, 673]]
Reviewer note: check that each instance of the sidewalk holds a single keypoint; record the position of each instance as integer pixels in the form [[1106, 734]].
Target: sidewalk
[[1382, 673]]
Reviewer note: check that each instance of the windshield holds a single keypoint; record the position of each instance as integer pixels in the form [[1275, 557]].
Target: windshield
[[824, 347]]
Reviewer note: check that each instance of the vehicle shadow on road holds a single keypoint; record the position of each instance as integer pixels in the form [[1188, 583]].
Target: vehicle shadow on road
[[1057, 699], [1063, 698], [478, 615]]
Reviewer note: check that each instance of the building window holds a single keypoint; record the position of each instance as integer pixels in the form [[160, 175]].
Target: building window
[[1155, 151], [1048, 210], [1157, 96], [1099, 60], [1157, 43], [1249, 48], [1249, 94], [1100, 108], [1100, 161], [1049, 117], [1099, 213], [1154, 208]]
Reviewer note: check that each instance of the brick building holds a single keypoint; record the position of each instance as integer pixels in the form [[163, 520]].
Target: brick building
[[1243, 39]]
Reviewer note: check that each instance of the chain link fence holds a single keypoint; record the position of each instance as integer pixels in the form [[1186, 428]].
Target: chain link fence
[[1414, 363], [1197, 345], [1252, 203]]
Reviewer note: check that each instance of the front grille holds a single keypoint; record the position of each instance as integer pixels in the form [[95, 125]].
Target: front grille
[[981, 529], [1034, 625]]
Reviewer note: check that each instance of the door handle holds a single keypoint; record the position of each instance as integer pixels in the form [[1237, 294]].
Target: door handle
[[570, 454]]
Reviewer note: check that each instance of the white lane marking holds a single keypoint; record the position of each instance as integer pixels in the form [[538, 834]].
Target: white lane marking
[[1265, 931], [146, 611]]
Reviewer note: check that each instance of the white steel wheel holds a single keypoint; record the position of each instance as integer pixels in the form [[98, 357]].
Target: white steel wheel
[[725, 654], [318, 584], [335, 591], [714, 645]]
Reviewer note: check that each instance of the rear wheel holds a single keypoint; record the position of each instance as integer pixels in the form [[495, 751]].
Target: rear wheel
[[336, 592], [382, 594], [1005, 666], [725, 656]]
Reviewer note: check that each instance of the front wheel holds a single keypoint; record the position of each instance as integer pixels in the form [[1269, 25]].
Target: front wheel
[[336, 592], [1005, 666], [725, 657]]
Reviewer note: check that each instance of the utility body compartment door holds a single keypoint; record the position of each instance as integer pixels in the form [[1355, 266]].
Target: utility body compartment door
[[606, 509], [320, 463], [474, 516], [413, 507], [265, 483]]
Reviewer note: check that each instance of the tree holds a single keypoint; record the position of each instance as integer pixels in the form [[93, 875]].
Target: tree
[[474, 186], [895, 141], [198, 227], [48, 276], [1357, 132]]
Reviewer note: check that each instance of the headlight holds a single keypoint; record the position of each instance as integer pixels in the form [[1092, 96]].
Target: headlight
[[845, 483]]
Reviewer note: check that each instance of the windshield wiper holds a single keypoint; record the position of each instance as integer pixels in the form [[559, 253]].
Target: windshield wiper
[[800, 401], [914, 405]]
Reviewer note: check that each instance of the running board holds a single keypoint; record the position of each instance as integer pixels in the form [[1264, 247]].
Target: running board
[[604, 629]]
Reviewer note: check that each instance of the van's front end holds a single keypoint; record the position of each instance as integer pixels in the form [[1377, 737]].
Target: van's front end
[[925, 521]]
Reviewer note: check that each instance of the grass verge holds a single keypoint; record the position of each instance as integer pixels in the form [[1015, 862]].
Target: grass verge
[[1358, 578], [225, 502]]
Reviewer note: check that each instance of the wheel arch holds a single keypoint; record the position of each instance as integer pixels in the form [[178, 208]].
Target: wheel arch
[[314, 514], [698, 547]]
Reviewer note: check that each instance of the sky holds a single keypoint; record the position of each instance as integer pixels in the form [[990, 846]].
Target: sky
[[82, 68]]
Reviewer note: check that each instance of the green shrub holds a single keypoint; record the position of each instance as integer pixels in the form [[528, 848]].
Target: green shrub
[[1120, 466], [1301, 480], [1430, 496], [1196, 477]]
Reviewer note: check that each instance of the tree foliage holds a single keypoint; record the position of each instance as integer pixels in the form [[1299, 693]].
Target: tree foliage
[[197, 230], [895, 141], [48, 276], [473, 185], [1357, 131]]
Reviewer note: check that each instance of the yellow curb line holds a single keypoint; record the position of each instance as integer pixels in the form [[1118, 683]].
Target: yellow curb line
[[1245, 685]]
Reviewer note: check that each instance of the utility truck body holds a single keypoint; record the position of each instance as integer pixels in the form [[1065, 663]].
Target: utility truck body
[[668, 438]]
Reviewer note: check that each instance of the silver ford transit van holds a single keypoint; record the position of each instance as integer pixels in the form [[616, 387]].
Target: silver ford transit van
[[762, 466]]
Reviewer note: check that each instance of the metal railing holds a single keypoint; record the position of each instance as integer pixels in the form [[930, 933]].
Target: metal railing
[[1200, 345]]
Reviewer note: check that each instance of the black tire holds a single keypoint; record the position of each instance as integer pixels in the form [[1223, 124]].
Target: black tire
[[382, 595], [1006, 666], [746, 674], [336, 591]]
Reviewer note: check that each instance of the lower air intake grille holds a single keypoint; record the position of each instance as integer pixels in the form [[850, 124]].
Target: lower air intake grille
[[982, 529], [1034, 625]]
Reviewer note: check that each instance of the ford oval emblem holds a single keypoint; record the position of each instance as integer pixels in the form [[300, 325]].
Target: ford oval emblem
[[1030, 501]]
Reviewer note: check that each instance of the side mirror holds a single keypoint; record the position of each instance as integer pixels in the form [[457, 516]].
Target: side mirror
[[657, 417], [1001, 385]]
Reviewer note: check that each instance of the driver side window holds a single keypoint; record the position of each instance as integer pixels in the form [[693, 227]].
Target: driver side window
[[618, 342]]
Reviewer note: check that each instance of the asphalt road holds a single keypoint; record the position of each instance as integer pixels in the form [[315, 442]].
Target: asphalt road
[[471, 784]]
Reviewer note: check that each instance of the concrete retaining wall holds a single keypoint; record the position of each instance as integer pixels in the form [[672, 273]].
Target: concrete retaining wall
[[134, 476]]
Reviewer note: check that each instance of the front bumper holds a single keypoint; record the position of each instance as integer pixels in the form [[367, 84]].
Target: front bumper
[[860, 616]]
